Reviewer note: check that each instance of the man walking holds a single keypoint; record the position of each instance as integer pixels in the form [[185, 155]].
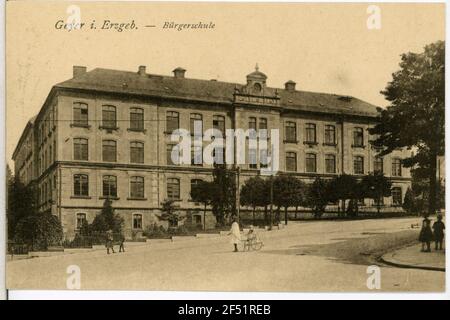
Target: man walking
[[438, 228], [109, 241]]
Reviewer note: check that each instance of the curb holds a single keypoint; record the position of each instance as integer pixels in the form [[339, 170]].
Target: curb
[[408, 266]]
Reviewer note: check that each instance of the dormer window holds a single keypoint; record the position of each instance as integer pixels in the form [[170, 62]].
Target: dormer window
[[257, 88]]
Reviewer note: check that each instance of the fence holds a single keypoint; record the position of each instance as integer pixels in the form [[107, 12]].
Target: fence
[[87, 241]]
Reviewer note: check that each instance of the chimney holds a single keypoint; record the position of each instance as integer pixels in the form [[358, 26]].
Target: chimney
[[141, 71], [78, 71], [290, 85], [179, 73]]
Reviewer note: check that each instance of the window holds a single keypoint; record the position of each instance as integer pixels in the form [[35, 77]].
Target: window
[[358, 165], [109, 151], [218, 155], [136, 152], [81, 185], [110, 186], [291, 131], [378, 165], [263, 123], [195, 182], [252, 123], [137, 187], [310, 162], [358, 137], [109, 117], [137, 221], [252, 158], [137, 119], [330, 135], [173, 189], [377, 202], [396, 168], [81, 220], [330, 163], [172, 121], [291, 161], [397, 196], [80, 114], [196, 118], [310, 133], [169, 159], [80, 149], [196, 155], [219, 123]]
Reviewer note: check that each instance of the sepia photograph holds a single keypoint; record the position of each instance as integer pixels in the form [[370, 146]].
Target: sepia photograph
[[225, 147]]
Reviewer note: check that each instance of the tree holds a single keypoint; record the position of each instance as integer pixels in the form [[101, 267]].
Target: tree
[[286, 190], [203, 192], [169, 213], [107, 219], [342, 188], [375, 186], [409, 203], [255, 193], [415, 116], [39, 231], [224, 197], [317, 196], [21, 203]]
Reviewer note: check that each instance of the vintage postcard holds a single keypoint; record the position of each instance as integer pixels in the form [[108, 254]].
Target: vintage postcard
[[231, 147]]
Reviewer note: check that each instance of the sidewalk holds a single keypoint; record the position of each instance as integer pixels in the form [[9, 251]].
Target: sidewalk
[[412, 257]]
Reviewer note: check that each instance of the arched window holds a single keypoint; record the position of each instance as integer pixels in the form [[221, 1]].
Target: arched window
[[173, 189], [81, 220], [109, 150], [81, 185], [136, 152], [80, 149], [397, 197], [172, 121], [219, 123], [358, 165], [137, 221], [310, 133], [291, 161], [310, 162], [196, 118], [396, 167], [358, 137], [109, 119], [137, 187], [330, 135], [80, 114], [330, 163], [110, 186], [378, 165], [291, 131], [137, 119]]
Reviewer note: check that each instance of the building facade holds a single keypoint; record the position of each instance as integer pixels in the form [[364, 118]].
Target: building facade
[[107, 134]]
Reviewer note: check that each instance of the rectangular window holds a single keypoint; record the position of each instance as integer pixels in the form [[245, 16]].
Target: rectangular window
[[136, 152], [109, 119], [358, 137], [80, 114], [137, 221], [81, 185], [81, 220], [330, 163], [330, 135], [397, 196], [218, 155], [310, 133], [80, 149], [378, 165], [173, 189], [310, 162], [252, 123], [291, 131], [253, 158], [396, 168], [137, 187], [219, 123], [197, 156], [137, 119], [291, 161], [172, 121], [196, 118], [262, 123], [358, 165], [110, 186], [109, 151]]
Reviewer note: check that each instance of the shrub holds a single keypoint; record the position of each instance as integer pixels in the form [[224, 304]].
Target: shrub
[[40, 231]]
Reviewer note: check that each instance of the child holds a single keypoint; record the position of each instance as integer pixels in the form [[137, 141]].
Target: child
[[438, 228], [251, 236], [426, 235]]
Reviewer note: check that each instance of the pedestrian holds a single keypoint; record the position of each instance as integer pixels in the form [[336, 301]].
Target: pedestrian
[[426, 235], [438, 228], [235, 234], [121, 241], [109, 241]]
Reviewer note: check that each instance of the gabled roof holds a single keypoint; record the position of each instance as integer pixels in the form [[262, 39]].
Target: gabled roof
[[114, 81], [25, 131]]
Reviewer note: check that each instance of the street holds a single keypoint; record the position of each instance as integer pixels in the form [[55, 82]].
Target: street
[[317, 256]]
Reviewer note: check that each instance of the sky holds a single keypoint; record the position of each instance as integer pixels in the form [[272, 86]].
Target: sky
[[322, 47]]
